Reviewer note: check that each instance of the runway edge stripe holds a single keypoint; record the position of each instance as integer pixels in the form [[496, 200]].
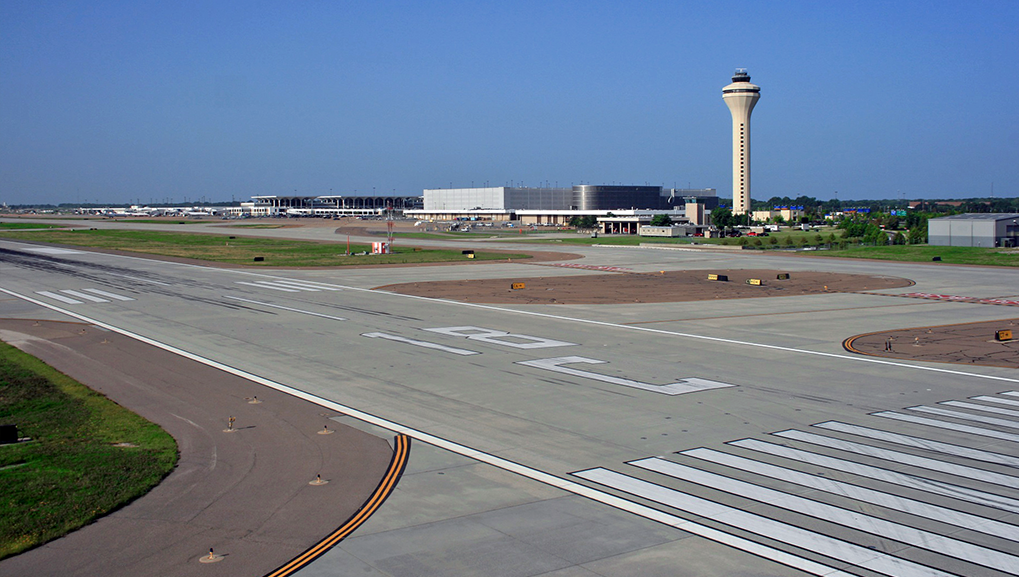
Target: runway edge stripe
[[401, 455]]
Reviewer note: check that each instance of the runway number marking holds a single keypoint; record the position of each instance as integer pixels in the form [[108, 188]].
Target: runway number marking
[[555, 364], [678, 388], [499, 337], [418, 343]]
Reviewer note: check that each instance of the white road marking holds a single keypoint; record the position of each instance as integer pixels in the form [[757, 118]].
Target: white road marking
[[680, 387], [82, 295], [496, 337], [855, 520], [644, 511], [293, 310], [904, 458], [892, 477], [307, 285], [996, 400], [759, 525], [976, 407], [138, 278], [59, 297], [880, 498], [909, 441], [965, 416], [113, 296], [47, 250], [263, 284], [417, 343], [947, 425]]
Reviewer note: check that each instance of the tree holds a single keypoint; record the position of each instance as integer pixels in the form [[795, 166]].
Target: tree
[[917, 235], [661, 220], [586, 221], [722, 217]]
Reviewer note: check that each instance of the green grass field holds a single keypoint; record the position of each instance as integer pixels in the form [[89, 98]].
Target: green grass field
[[243, 250], [924, 253], [903, 253], [23, 225], [73, 471]]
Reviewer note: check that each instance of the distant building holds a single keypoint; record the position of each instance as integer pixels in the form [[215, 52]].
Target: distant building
[[558, 205], [974, 229], [788, 213], [330, 205], [503, 198]]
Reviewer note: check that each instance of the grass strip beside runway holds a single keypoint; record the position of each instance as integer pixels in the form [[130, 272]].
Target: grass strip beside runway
[[88, 455], [243, 250], [25, 225]]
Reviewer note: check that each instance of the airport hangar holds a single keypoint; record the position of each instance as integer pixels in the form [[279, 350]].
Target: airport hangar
[[974, 229]]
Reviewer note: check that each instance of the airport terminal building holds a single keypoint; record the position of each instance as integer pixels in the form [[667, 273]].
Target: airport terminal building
[[557, 205]]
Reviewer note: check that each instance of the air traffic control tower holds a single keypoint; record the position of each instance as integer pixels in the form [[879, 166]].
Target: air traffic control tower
[[740, 97]]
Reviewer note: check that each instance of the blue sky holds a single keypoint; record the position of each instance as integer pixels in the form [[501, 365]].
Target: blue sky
[[121, 101]]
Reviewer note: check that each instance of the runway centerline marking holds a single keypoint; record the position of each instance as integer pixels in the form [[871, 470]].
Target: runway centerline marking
[[540, 476]]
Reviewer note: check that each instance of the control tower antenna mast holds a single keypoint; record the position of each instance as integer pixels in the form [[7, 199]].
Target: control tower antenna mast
[[740, 97]]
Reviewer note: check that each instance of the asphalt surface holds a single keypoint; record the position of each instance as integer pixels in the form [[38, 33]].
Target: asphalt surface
[[245, 494], [721, 437]]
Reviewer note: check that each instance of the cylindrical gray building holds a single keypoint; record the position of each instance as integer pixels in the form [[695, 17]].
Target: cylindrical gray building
[[608, 197]]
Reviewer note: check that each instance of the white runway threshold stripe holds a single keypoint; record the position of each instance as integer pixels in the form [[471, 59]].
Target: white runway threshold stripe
[[86, 296], [763, 526], [269, 286], [735, 541], [852, 519], [947, 425], [903, 458], [108, 294], [863, 494], [59, 297], [965, 416], [977, 407], [920, 443], [892, 477]]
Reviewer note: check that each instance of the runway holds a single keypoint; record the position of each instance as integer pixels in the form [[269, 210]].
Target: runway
[[701, 438]]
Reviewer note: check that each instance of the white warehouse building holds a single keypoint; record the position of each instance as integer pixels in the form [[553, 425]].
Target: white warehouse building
[[499, 198]]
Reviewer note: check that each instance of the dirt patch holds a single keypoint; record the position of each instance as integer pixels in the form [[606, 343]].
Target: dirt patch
[[668, 286], [964, 344]]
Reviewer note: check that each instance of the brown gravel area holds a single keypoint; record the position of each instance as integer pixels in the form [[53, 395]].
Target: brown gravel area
[[966, 344], [244, 493], [668, 286]]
